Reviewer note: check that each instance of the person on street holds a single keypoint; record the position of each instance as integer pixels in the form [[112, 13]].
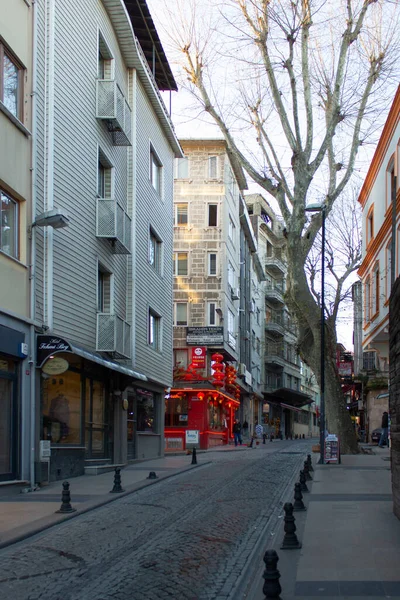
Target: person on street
[[385, 425], [237, 430]]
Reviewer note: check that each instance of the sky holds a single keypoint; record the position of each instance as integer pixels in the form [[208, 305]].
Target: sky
[[190, 122]]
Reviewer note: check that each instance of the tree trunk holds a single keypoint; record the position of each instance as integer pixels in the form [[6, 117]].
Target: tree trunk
[[302, 305]]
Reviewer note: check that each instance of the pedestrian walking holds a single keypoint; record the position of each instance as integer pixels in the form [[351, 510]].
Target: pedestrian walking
[[237, 432], [385, 426]]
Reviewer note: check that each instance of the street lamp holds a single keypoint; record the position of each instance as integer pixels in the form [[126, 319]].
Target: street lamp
[[322, 209]]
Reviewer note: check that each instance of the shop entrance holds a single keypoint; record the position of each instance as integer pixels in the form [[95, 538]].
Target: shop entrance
[[131, 427], [96, 428], [8, 419]]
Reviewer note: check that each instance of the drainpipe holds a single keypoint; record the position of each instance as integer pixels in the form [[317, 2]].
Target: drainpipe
[[32, 312]]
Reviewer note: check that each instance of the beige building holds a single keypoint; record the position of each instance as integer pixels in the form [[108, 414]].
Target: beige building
[[16, 327]]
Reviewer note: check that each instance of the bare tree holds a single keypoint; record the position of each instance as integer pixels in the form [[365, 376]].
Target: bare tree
[[294, 87]]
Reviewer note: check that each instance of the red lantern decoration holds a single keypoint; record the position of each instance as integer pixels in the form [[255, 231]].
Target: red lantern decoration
[[217, 357], [218, 368], [200, 395]]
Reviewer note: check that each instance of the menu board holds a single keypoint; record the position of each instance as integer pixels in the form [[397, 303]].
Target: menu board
[[332, 449]]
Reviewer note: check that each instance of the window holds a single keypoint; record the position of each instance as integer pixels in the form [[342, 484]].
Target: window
[[181, 358], [176, 411], [105, 60], [181, 168], [388, 278], [370, 225], [104, 291], [212, 167], [154, 330], [258, 346], [369, 360], [211, 313], [231, 275], [181, 313], [155, 171], [367, 308], [253, 339], [258, 313], [231, 322], [375, 303], [9, 241], [212, 263], [390, 183], [104, 177], [180, 263], [145, 409], [212, 215], [154, 251], [181, 215], [11, 79], [231, 231]]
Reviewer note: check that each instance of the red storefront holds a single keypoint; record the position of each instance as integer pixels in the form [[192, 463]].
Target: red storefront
[[200, 407]]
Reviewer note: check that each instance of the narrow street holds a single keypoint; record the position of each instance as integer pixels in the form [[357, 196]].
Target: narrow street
[[190, 536]]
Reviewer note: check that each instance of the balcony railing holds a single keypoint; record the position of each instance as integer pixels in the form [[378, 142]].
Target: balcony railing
[[274, 264], [113, 335], [112, 106], [274, 291], [113, 223], [280, 323]]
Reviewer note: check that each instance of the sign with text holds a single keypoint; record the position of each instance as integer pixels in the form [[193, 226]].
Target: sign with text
[[204, 336], [199, 357], [192, 436], [47, 345]]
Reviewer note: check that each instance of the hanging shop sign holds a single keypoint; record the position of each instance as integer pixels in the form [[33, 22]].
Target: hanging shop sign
[[204, 336], [47, 345], [199, 357], [55, 366]]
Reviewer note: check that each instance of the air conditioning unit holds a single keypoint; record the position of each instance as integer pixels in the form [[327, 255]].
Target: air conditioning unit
[[252, 307], [235, 293], [242, 369]]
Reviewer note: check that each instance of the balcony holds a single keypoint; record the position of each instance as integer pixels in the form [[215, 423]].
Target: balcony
[[113, 335], [275, 266], [274, 293], [275, 356], [113, 223], [112, 106], [274, 324]]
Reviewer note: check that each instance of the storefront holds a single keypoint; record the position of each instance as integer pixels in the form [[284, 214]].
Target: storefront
[[14, 405], [198, 407], [284, 412], [144, 423], [84, 402]]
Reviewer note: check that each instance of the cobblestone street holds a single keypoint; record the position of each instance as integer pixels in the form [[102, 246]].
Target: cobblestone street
[[190, 536]]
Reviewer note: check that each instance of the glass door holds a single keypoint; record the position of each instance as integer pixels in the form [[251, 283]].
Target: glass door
[[95, 420], [8, 420]]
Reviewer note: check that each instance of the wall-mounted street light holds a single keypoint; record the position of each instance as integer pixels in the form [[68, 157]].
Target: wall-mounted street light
[[52, 218], [322, 209]]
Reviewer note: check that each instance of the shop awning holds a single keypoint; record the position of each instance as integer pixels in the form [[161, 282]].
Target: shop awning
[[292, 398], [109, 364], [290, 407]]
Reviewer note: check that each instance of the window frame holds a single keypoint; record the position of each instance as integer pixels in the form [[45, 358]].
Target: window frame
[[6, 51], [103, 272], [209, 309], [178, 162], [209, 274], [17, 216], [375, 291], [209, 205], [210, 158], [175, 260], [155, 175], [231, 229], [370, 225], [367, 300], [183, 303], [108, 169], [105, 54], [158, 250], [176, 205]]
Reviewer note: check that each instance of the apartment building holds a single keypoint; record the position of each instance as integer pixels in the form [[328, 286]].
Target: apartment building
[[306, 422], [105, 150], [281, 375], [214, 267], [16, 325], [377, 198]]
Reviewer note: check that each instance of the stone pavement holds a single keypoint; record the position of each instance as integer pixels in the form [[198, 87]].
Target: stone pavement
[[350, 536], [25, 514]]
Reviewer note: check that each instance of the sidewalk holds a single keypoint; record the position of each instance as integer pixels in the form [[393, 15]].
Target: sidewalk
[[350, 536], [25, 514]]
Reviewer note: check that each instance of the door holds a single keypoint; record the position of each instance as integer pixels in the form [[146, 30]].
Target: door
[[8, 420], [131, 427], [96, 428]]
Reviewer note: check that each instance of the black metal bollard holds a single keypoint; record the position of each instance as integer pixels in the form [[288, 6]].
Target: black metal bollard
[[290, 541], [264, 437], [66, 500], [310, 467], [271, 437], [303, 484], [194, 457], [307, 471], [117, 489], [272, 587], [152, 475], [298, 498]]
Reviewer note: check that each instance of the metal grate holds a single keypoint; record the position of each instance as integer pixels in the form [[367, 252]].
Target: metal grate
[[111, 105], [113, 223], [113, 335]]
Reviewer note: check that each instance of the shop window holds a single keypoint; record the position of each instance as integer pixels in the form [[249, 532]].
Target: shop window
[[62, 408], [11, 82], [212, 215], [176, 411], [181, 168], [8, 225], [180, 264], [216, 416], [145, 408], [181, 214]]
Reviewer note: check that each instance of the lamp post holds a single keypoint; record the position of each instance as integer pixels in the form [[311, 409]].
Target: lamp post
[[322, 209]]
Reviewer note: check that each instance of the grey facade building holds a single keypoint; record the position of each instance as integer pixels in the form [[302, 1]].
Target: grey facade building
[[105, 150]]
